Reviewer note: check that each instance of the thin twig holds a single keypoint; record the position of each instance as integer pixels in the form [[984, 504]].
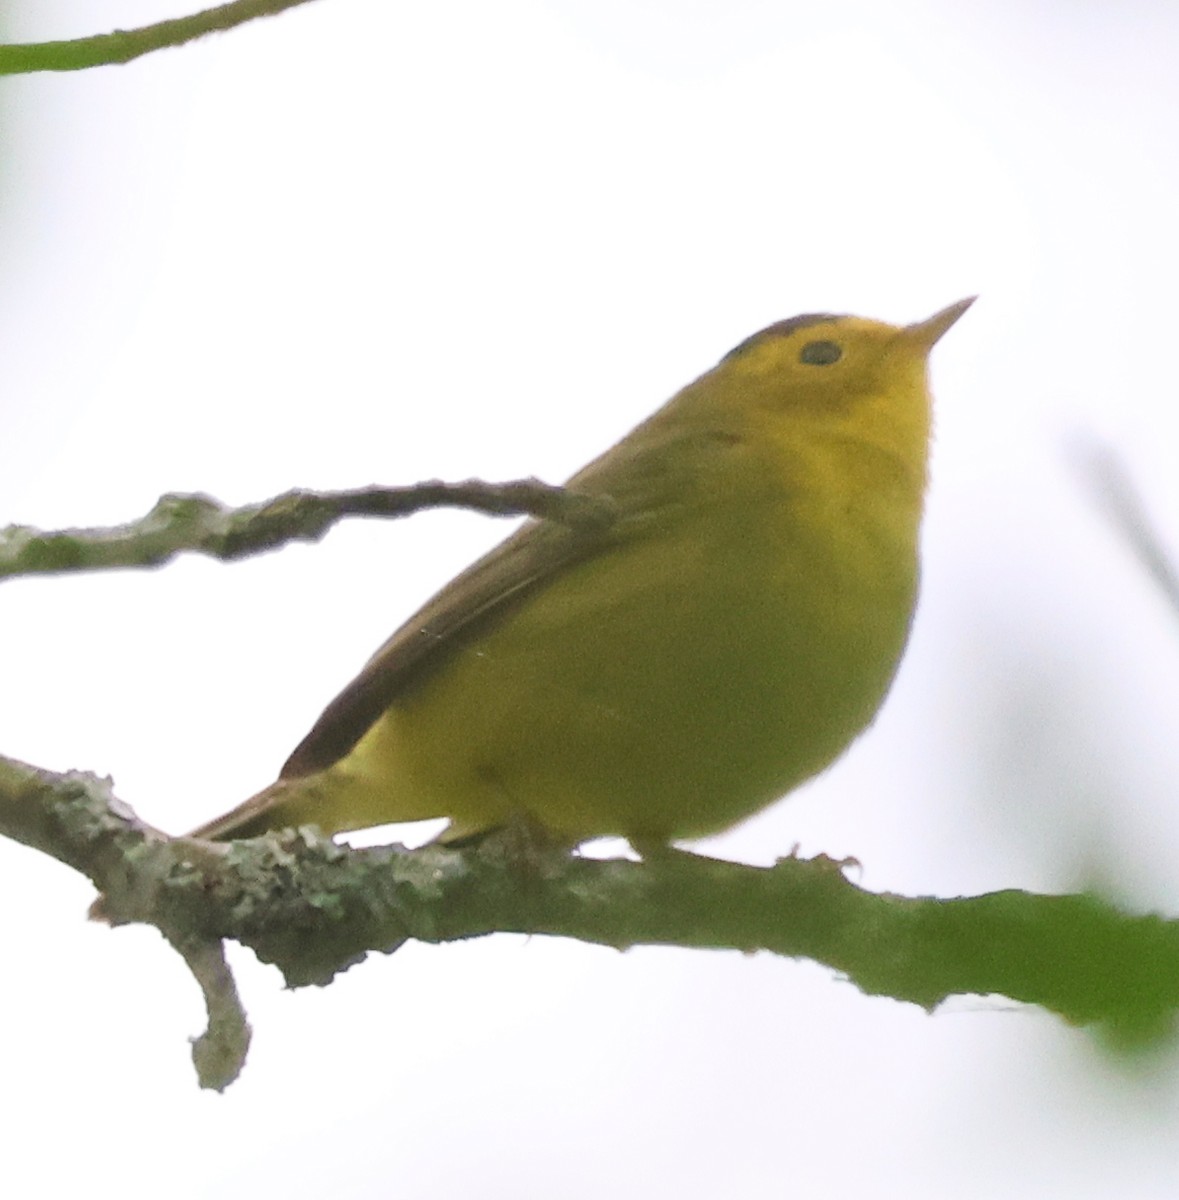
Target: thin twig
[[200, 524], [1121, 501]]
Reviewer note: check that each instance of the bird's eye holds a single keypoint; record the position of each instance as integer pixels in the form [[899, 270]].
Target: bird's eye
[[820, 354]]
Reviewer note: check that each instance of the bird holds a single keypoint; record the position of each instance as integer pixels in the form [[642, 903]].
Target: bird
[[667, 674]]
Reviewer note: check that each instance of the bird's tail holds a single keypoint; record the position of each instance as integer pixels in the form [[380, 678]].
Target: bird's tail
[[283, 805]]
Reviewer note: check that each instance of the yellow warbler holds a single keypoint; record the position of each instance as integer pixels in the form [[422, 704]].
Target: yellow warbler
[[723, 640]]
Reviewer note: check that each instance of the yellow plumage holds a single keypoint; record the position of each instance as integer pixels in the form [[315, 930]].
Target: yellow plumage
[[721, 642]]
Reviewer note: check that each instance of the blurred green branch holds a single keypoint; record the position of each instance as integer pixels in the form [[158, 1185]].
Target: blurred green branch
[[314, 908], [123, 45]]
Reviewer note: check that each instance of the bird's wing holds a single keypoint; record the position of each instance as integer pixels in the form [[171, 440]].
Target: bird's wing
[[481, 595], [634, 475]]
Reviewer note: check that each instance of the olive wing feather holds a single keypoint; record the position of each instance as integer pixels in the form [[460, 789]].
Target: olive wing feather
[[483, 594], [633, 475]]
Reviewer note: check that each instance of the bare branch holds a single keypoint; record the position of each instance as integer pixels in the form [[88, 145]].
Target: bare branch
[[123, 45], [202, 525]]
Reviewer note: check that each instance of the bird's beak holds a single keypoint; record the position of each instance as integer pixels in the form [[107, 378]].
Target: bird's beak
[[926, 333]]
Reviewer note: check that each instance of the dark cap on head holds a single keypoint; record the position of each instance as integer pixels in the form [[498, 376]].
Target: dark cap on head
[[782, 329]]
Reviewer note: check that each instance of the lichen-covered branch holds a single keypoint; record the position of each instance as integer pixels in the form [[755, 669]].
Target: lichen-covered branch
[[199, 524], [220, 1052], [314, 909], [123, 45]]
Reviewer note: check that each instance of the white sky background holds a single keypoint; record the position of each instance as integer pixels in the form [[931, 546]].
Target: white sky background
[[390, 241]]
